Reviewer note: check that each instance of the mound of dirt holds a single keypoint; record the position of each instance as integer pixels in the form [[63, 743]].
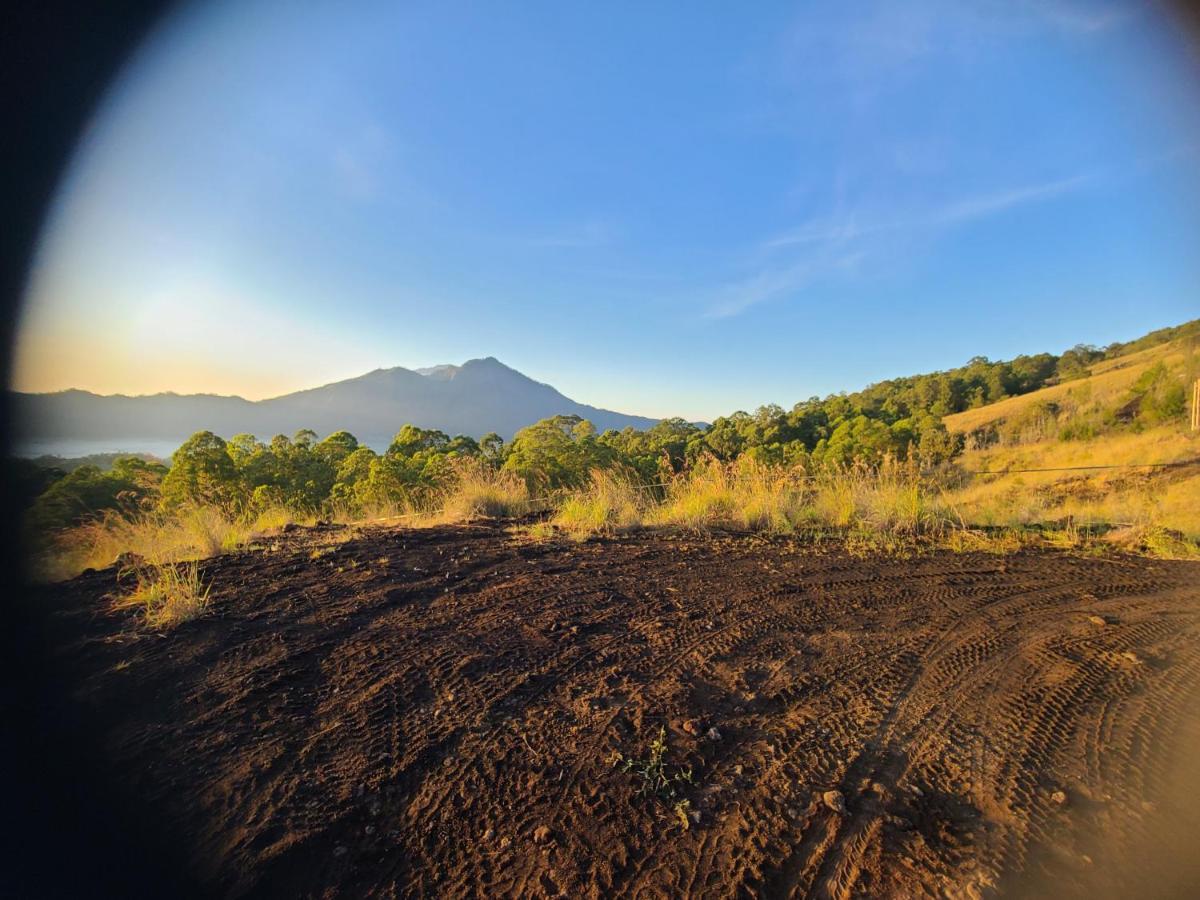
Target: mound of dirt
[[437, 712]]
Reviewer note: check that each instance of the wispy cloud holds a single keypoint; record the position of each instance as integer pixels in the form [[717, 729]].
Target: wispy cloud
[[1080, 18], [824, 247], [957, 212], [587, 234], [774, 282]]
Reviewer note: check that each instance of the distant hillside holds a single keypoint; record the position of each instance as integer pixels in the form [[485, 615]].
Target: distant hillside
[[1127, 410], [1106, 384], [480, 396]]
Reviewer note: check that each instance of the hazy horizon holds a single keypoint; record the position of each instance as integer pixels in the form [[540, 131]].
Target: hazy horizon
[[655, 212]]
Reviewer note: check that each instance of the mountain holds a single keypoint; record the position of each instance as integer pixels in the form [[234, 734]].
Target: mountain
[[479, 396]]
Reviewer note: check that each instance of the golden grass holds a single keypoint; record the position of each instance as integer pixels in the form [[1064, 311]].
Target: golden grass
[[478, 490], [744, 495], [1107, 497], [168, 595], [156, 538], [610, 503], [1110, 381], [750, 496]]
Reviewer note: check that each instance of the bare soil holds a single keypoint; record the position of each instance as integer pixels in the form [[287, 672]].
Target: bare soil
[[433, 713]]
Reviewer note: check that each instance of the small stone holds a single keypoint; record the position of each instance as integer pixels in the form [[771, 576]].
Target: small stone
[[129, 560], [1059, 797], [370, 829], [541, 834], [692, 726], [835, 801], [339, 851], [713, 734]]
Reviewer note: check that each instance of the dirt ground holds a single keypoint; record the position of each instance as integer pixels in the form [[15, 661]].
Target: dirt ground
[[434, 713]]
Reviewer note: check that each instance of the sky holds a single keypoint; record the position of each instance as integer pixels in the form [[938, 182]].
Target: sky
[[663, 209]]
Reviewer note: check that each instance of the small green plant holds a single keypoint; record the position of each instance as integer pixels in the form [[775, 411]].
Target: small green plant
[[660, 780]]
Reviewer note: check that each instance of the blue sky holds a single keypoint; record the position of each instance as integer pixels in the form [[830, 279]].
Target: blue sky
[[666, 209]]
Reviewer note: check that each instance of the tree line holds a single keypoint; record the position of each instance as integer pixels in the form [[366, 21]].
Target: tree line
[[899, 419]]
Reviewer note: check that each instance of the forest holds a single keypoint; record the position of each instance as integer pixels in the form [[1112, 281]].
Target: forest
[[899, 419]]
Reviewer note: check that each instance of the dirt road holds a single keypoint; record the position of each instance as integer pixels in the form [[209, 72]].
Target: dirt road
[[434, 713]]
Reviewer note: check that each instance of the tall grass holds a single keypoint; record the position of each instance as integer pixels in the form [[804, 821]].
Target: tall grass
[[157, 538], [479, 490], [611, 502], [750, 496], [168, 595], [886, 507], [742, 495]]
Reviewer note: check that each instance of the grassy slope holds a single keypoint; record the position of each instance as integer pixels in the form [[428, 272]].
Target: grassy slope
[[1121, 496]]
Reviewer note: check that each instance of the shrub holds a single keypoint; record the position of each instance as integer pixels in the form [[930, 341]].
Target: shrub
[[168, 595], [611, 502]]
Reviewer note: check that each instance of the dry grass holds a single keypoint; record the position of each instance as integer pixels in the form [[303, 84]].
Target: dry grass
[[611, 502], [750, 496], [743, 495], [168, 595], [478, 490], [156, 538], [1110, 381], [1108, 498]]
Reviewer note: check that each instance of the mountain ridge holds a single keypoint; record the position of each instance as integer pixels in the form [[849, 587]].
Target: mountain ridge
[[479, 396]]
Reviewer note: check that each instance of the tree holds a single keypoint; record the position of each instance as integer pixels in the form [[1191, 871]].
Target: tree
[[202, 472], [88, 490], [335, 448], [411, 440], [558, 452]]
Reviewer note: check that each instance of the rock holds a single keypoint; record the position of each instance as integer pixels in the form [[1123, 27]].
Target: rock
[[692, 726], [835, 801], [713, 734], [1059, 797], [129, 560], [1096, 620], [541, 834]]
